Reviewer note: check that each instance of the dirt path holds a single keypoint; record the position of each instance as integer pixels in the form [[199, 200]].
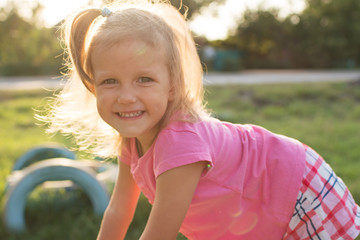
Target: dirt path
[[244, 77]]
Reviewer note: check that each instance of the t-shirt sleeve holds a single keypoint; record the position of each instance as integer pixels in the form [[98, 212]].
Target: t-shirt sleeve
[[178, 148]]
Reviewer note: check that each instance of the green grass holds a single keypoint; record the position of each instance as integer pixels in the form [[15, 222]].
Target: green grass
[[324, 116]]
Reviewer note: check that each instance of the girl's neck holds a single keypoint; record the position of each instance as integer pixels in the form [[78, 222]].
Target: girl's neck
[[139, 148], [144, 142]]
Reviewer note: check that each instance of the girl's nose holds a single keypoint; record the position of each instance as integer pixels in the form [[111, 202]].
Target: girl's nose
[[126, 96]]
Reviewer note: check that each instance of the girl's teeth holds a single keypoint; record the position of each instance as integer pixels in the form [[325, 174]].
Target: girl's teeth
[[129, 115]]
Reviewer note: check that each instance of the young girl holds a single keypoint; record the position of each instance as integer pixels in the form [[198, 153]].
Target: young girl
[[136, 91]]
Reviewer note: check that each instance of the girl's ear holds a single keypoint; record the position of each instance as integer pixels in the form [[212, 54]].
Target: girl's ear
[[92, 89]]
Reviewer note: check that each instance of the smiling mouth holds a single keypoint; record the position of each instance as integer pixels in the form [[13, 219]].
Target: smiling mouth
[[130, 114]]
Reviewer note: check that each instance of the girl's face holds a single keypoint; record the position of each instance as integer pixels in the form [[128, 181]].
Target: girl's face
[[132, 88]]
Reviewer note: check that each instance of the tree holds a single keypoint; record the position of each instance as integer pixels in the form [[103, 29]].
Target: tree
[[331, 31], [261, 35], [26, 49], [194, 6], [324, 35]]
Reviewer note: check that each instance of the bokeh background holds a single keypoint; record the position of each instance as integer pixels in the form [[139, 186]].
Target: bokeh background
[[233, 38]]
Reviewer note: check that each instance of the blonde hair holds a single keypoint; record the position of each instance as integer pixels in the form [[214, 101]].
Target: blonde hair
[[158, 24]]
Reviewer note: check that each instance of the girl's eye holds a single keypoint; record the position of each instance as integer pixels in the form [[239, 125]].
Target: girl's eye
[[145, 80], [109, 81]]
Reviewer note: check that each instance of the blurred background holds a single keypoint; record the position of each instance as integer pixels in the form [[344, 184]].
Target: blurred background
[[285, 46], [232, 35]]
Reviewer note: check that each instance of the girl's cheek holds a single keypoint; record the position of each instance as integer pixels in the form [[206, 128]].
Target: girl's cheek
[[101, 97], [100, 102]]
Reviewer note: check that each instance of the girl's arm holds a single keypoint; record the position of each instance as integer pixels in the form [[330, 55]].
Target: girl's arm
[[174, 191], [121, 209]]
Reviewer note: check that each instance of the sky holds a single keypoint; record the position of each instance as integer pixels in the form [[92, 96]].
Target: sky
[[211, 24]]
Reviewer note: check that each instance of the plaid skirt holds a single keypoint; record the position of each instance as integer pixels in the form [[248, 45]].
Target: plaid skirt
[[324, 208]]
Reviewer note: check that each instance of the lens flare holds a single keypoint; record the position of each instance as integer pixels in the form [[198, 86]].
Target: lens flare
[[243, 223], [141, 50]]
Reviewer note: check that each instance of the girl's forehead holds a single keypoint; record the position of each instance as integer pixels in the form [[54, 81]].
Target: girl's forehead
[[139, 48], [134, 47], [131, 51]]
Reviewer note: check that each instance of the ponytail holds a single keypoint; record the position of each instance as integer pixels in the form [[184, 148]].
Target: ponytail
[[76, 34]]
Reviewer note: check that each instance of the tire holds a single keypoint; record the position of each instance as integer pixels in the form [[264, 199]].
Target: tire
[[51, 170], [47, 151]]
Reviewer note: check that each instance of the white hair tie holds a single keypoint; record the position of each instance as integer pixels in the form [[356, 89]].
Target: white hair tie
[[105, 12]]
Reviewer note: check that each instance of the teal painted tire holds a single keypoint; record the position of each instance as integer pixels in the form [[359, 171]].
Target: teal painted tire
[[51, 170], [42, 152]]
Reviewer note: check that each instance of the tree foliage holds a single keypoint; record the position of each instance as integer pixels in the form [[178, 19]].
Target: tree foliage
[[324, 35], [193, 6], [332, 30], [26, 49], [260, 34]]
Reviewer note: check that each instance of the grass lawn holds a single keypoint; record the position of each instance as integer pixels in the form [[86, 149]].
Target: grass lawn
[[324, 116]]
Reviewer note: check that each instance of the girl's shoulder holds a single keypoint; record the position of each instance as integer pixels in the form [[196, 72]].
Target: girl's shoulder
[[196, 127], [185, 133], [180, 143]]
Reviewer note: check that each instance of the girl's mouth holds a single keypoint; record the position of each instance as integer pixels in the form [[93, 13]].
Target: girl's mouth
[[130, 114]]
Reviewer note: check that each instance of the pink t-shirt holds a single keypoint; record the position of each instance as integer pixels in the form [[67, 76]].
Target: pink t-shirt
[[248, 190]]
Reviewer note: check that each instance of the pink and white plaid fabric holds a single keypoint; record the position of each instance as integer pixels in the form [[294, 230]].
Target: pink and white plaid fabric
[[325, 208]]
